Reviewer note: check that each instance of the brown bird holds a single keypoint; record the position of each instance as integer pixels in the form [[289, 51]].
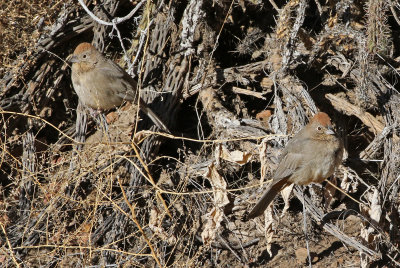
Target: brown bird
[[101, 84], [310, 156]]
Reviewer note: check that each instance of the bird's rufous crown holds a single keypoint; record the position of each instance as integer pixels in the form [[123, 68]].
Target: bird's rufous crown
[[322, 118], [83, 47]]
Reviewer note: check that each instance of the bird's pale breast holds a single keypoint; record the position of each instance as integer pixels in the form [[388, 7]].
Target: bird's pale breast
[[97, 90], [318, 164]]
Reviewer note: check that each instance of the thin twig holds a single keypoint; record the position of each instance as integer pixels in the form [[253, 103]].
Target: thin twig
[[305, 231], [115, 21], [346, 194], [146, 168], [133, 214], [272, 2]]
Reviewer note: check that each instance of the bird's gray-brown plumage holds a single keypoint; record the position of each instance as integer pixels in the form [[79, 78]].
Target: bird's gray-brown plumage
[[101, 84], [310, 156]]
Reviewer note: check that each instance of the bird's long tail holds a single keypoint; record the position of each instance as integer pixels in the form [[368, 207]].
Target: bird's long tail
[[273, 189], [156, 120]]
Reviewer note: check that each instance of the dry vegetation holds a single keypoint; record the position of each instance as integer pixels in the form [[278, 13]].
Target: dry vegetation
[[233, 80]]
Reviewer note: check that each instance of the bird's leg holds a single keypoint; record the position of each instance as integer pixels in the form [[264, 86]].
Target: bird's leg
[[101, 121], [104, 125], [94, 113], [80, 134], [305, 228]]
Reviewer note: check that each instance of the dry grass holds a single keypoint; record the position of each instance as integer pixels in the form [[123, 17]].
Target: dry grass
[[21, 23]]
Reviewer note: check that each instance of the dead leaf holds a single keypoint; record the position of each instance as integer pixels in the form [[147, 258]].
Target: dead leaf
[[368, 231], [286, 197], [218, 184], [212, 220], [269, 220], [111, 117], [376, 210], [236, 156]]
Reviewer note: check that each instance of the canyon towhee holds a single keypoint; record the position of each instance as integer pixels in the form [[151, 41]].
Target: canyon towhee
[[310, 156], [101, 84]]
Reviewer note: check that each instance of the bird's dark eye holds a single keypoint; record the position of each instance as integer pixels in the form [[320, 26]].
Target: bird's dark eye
[[319, 128], [84, 56]]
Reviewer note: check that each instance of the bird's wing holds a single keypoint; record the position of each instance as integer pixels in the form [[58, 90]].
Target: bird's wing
[[120, 79], [288, 165], [293, 157], [110, 68]]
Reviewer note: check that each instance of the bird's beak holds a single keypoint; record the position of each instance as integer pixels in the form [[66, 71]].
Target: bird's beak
[[72, 58], [330, 131]]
